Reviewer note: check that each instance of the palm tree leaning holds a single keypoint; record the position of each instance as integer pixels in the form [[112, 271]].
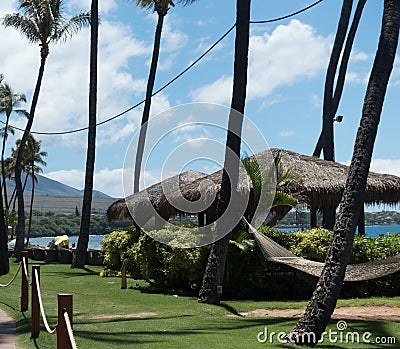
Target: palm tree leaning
[[213, 275], [323, 301], [42, 22], [161, 7], [9, 103], [80, 256], [33, 158]]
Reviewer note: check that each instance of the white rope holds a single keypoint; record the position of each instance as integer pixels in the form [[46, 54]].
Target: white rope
[[13, 278], [69, 329], [46, 325], [25, 270]]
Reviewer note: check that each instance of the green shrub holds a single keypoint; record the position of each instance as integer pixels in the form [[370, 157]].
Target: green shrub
[[115, 246], [247, 273]]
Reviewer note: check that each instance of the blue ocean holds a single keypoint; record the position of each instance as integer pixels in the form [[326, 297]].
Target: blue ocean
[[95, 240]]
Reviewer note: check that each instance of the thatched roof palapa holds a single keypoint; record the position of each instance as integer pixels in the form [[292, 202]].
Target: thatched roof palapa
[[322, 187], [140, 202], [324, 181]]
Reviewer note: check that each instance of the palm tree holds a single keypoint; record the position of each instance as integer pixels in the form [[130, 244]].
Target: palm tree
[[323, 301], [33, 158], [41, 22], [161, 7], [79, 260], [332, 96], [214, 272], [8, 104]]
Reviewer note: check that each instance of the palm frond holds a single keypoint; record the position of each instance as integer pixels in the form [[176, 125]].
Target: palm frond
[[72, 26], [24, 25], [283, 199]]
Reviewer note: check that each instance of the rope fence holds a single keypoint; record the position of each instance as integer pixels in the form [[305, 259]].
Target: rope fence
[[69, 329], [39, 295], [13, 278]]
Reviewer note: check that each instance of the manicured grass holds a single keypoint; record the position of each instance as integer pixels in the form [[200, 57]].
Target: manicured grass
[[107, 317]]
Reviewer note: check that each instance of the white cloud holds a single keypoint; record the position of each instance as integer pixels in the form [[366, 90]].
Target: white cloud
[[64, 94], [219, 92], [288, 133], [389, 166], [106, 180], [290, 53], [386, 166]]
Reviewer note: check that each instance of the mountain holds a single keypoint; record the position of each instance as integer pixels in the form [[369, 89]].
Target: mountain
[[50, 187]]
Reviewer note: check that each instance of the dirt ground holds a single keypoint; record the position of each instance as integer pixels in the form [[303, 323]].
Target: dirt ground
[[369, 312]]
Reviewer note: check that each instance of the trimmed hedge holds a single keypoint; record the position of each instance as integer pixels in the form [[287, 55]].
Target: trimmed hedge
[[248, 274]]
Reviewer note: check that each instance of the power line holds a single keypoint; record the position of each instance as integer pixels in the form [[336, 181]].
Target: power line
[[222, 37], [289, 15], [141, 102]]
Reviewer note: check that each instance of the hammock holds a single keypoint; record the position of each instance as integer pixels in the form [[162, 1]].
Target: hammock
[[273, 252]]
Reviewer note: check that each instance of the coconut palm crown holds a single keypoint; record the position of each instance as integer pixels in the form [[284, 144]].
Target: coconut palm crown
[[43, 22]]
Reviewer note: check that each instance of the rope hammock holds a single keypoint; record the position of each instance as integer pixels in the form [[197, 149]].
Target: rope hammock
[[273, 252]]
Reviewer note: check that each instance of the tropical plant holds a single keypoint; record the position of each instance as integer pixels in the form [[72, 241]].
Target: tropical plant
[[161, 7], [9, 103], [282, 202], [79, 259], [33, 158], [41, 22], [214, 271], [326, 293]]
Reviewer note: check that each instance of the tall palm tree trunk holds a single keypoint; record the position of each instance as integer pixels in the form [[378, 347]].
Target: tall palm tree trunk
[[342, 70], [3, 168], [147, 104], [323, 301], [20, 230], [326, 138], [31, 203], [80, 257], [213, 275], [4, 260]]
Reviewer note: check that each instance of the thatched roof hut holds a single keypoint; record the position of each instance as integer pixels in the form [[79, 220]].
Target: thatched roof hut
[[321, 189], [324, 181], [141, 201]]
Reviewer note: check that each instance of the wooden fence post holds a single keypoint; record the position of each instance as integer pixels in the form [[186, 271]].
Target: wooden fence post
[[35, 318], [24, 282], [64, 304]]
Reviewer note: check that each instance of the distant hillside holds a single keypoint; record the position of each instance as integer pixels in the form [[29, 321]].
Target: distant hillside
[[50, 187]]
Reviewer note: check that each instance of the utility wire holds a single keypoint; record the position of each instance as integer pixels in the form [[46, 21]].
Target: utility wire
[[289, 15], [222, 37]]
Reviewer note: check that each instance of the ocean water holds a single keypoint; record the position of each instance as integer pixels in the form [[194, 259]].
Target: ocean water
[[95, 240], [370, 230]]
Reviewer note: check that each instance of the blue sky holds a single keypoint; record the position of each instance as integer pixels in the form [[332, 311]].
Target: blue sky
[[287, 68]]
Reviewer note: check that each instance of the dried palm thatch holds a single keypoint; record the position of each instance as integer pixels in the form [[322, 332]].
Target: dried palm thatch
[[321, 187], [140, 202], [324, 181]]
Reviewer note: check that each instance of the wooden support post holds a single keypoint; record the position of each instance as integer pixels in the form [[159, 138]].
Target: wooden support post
[[64, 305], [313, 217], [201, 219], [24, 282], [361, 222], [35, 308]]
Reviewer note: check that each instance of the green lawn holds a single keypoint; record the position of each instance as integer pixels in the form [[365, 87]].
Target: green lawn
[[107, 317]]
